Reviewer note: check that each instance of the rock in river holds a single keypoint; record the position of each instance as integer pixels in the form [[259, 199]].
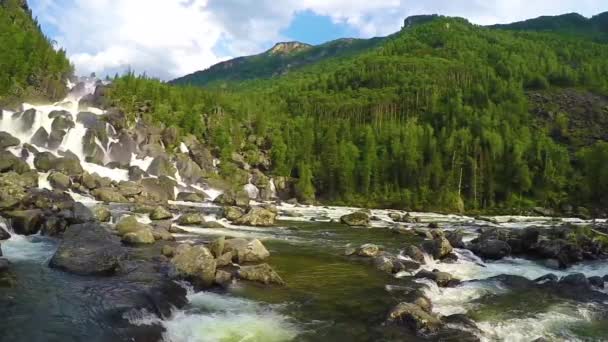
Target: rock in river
[[260, 273], [88, 249], [257, 217], [357, 219], [195, 263], [246, 251], [414, 317]]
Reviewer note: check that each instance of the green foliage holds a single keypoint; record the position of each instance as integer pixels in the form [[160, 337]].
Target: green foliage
[[30, 66], [434, 117]]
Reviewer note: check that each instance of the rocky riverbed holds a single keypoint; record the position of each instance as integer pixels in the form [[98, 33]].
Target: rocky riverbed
[[120, 231]]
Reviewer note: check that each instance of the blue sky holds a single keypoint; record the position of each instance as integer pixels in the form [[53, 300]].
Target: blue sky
[[170, 38]]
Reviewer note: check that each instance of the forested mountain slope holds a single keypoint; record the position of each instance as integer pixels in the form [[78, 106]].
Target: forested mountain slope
[[438, 116], [572, 24], [30, 67]]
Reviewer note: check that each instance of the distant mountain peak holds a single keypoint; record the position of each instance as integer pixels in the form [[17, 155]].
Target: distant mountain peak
[[286, 48]]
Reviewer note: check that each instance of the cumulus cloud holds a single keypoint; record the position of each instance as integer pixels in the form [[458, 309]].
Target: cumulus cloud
[[169, 38]]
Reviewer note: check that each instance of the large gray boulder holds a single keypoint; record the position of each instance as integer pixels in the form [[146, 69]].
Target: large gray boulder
[[26, 222], [414, 317], [260, 273], [7, 140], [257, 217], [246, 251], [491, 249], [109, 195], [162, 166], [40, 138], [356, 219], [188, 170], [161, 189], [88, 249], [9, 162], [439, 247], [195, 263]]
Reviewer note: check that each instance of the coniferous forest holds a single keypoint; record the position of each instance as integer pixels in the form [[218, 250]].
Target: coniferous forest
[[438, 116]]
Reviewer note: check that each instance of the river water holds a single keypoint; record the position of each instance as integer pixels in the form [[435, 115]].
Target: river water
[[328, 297]]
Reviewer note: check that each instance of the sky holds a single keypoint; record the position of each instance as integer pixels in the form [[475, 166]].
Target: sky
[[172, 38]]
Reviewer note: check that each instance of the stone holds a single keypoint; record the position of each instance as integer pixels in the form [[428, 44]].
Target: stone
[[168, 251], [26, 222], [233, 213], [7, 140], [136, 173], [10, 162], [414, 317], [160, 213], [442, 279], [262, 273], [93, 181], [492, 249], [188, 170], [40, 138], [159, 189], [4, 235], [162, 234], [224, 259], [191, 219], [142, 236], [108, 195], [55, 139], [43, 161], [223, 278], [368, 250], [62, 123], [59, 181], [81, 214], [357, 219], [455, 238], [102, 213], [575, 279], [257, 217], [195, 263], [129, 189], [233, 198], [413, 253], [439, 247], [68, 166], [161, 166], [246, 251], [190, 197], [128, 224], [217, 246], [88, 249], [212, 225], [597, 282]]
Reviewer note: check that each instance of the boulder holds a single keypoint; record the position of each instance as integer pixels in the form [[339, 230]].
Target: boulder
[[233, 198], [14, 187], [575, 280], [81, 214], [62, 123], [68, 166], [223, 278], [191, 219], [596, 281], [442, 279], [7, 140], [55, 139], [455, 238], [413, 253], [102, 213], [168, 251], [356, 219], [161, 234], [136, 173], [88, 249], [43, 161], [9, 162], [26, 222], [246, 251], [128, 224], [212, 225], [491, 249], [40, 138], [188, 170], [260, 273], [415, 318], [190, 197], [368, 250], [59, 181], [142, 236], [195, 263], [217, 247], [129, 189], [161, 166], [160, 213], [161, 189], [439, 247], [27, 119], [257, 217], [108, 195], [4, 235], [233, 213], [94, 181]]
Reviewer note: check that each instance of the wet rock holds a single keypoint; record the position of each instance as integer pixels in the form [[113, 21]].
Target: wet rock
[[7, 140], [59, 181], [88, 249], [136, 174], [188, 170], [27, 119], [217, 247], [68, 166], [81, 214], [108, 195], [26, 222], [413, 253], [43, 161], [257, 217], [212, 225], [547, 278], [116, 118], [246, 251], [368, 250], [190, 197], [576, 280], [389, 263], [140, 237], [231, 198], [159, 189], [128, 224], [442, 279], [439, 247], [195, 263], [492, 249], [94, 181], [60, 113], [102, 213], [129, 189], [4, 235], [62, 123], [597, 282], [455, 238], [161, 234], [224, 259], [191, 219], [233, 213], [4, 264], [414, 317], [291, 213], [200, 155], [55, 139], [161, 166], [40, 138], [168, 251], [356, 219], [9, 162], [160, 213], [123, 150], [260, 273], [223, 278]]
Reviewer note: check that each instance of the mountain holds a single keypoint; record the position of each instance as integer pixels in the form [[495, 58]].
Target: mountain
[[571, 24], [279, 60], [31, 68], [443, 115]]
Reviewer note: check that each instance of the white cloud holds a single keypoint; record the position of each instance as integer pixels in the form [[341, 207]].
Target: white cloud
[[168, 38]]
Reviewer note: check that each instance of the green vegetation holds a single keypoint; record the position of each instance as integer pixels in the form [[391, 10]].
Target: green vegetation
[[434, 117], [30, 66]]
